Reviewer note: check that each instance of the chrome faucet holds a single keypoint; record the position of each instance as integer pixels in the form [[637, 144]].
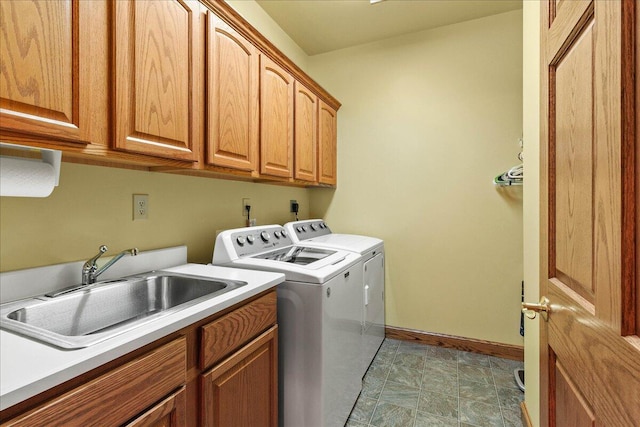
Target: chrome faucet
[[90, 269]]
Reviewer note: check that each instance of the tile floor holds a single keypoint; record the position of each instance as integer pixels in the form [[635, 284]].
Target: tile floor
[[417, 385]]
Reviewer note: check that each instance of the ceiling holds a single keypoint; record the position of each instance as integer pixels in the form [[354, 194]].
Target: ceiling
[[319, 26]]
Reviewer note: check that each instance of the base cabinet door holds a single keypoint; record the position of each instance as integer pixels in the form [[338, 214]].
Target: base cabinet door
[[170, 412], [242, 390]]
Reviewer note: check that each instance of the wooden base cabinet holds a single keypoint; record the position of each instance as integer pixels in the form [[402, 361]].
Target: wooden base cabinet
[[220, 371], [242, 390]]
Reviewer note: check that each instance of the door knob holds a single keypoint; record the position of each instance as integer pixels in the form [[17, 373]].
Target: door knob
[[531, 310]]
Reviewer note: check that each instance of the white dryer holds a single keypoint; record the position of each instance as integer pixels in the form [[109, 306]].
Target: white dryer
[[316, 233], [319, 331]]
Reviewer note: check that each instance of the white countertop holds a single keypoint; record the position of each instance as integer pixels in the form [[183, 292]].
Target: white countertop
[[29, 367]]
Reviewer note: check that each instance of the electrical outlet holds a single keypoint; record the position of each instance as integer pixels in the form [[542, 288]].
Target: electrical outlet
[[140, 206], [245, 203], [292, 205]]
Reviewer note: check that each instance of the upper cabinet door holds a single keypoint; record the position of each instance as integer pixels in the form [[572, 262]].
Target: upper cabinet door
[[276, 124], [306, 134], [327, 143], [45, 69], [156, 77], [232, 82]]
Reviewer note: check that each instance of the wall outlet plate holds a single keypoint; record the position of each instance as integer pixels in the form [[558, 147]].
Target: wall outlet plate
[[291, 205], [140, 206]]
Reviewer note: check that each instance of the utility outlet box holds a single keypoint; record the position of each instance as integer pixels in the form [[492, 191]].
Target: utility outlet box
[[140, 206], [245, 203], [293, 206]]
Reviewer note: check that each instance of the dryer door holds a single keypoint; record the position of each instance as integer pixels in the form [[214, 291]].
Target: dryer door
[[373, 296]]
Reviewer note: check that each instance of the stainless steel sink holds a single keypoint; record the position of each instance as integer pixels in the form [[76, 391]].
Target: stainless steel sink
[[105, 309]]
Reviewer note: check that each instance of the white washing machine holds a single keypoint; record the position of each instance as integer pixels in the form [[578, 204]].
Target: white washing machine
[[319, 330], [316, 233]]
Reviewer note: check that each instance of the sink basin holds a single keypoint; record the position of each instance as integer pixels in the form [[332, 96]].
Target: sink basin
[[108, 308]]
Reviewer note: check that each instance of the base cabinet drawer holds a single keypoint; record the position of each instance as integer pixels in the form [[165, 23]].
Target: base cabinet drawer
[[242, 391], [118, 396], [228, 333]]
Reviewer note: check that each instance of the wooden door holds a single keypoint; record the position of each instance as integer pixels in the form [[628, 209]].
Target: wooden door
[[232, 82], [306, 133], [276, 119], [327, 145], [590, 350], [169, 412], [242, 390], [46, 68], [157, 74]]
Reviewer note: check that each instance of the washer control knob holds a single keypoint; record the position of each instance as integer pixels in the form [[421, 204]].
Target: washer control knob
[[314, 227], [250, 239], [265, 236], [277, 234], [304, 228], [284, 233], [299, 229], [241, 240]]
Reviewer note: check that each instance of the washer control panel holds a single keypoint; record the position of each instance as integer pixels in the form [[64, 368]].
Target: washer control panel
[[259, 239], [310, 229]]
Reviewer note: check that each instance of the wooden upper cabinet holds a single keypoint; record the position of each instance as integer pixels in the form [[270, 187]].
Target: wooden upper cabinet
[[157, 75], [45, 72], [306, 134], [232, 83], [327, 145], [276, 119]]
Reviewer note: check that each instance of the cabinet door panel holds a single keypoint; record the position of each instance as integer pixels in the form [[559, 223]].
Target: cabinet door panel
[[327, 145], [276, 124], [156, 77], [243, 389], [170, 412], [306, 134], [233, 68], [44, 72]]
